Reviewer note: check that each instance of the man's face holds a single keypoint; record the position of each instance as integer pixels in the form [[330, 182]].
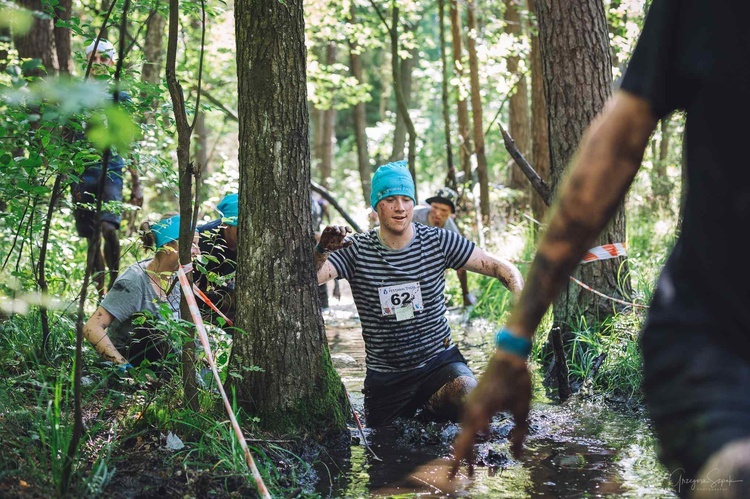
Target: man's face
[[100, 62], [395, 213], [439, 213]]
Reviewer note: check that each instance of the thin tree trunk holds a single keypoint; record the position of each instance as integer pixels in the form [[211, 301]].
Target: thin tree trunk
[[42, 269], [360, 119], [403, 110], [462, 107], [661, 184], [200, 150], [450, 177], [540, 126], [400, 129], [185, 177], [298, 390], [153, 55], [329, 122], [476, 113], [519, 124], [62, 38], [578, 81]]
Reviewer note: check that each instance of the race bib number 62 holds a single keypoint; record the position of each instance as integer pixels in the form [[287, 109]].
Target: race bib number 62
[[407, 295]]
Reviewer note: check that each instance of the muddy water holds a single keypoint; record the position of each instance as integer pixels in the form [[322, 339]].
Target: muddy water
[[584, 448]]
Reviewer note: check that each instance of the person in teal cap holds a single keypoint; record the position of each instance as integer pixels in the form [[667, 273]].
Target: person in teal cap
[[214, 275], [397, 276], [140, 291]]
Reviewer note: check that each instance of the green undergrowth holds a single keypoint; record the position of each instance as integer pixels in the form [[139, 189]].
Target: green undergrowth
[[119, 410]]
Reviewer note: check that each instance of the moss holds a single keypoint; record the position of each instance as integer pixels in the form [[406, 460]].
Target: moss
[[322, 413]]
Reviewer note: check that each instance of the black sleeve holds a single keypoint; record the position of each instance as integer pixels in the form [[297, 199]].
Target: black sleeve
[[656, 70]]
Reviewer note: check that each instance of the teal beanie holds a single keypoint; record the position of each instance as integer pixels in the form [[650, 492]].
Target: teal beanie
[[229, 209], [392, 179], [166, 230]]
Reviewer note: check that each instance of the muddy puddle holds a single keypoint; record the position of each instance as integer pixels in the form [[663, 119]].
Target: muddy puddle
[[587, 447]]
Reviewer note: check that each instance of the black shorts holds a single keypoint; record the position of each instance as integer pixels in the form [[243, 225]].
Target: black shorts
[[84, 198], [392, 395], [697, 388]]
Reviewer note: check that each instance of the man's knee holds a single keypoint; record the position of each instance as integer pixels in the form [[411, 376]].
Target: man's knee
[[726, 474], [109, 232], [449, 400]]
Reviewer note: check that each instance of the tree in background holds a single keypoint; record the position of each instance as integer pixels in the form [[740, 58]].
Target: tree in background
[[577, 81]]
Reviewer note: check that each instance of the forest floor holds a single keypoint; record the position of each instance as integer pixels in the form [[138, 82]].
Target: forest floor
[[586, 447]]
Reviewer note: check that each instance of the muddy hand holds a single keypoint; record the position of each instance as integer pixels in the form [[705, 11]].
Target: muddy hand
[[505, 386], [332, 238]]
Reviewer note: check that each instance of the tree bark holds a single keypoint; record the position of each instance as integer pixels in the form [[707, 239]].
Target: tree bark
[[476, 113], [39, 42], [360, 119], [577, 82], [298, 390], [519, 124], [462, 107], [540, 126], [62, 38]]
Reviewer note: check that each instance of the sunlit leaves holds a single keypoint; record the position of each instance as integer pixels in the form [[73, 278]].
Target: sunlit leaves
[[113, 128]]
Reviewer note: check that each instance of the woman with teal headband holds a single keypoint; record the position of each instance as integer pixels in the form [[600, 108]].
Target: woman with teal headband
[[140, 291]]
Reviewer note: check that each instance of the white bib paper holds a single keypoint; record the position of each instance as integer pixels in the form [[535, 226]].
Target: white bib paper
[[402, 296]]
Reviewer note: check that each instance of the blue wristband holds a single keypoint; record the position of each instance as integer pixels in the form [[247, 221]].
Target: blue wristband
[[512, 344], [124, 367], [320, 250]]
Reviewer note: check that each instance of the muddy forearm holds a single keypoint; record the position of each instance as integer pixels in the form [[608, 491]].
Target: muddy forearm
[[608, 159], [102, 344]]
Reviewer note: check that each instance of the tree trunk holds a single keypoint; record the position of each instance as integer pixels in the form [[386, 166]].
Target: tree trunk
[[360, 119], [462, 108], [450, 177], [399, 131], [577, 82], [403, 109], [152, 60], [661, 184], [329, 122], [519, 124], [476, 113], [185, 176], [62, 38], [200, 150], [540, 125], [298, 391], [39, 41]]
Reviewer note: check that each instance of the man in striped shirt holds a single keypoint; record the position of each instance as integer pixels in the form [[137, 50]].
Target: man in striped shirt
[[397, 276]]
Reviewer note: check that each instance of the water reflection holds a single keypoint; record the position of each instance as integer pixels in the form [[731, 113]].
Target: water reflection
[[584, 448]]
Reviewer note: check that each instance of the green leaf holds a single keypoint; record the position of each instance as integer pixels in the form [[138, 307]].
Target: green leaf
[[117, 131]]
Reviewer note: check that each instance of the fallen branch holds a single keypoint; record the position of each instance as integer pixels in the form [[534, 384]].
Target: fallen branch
[[327, 195], [539, 185]]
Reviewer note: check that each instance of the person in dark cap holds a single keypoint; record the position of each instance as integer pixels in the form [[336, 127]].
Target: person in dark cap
[[397, 276], [439, 213], [215, 276]]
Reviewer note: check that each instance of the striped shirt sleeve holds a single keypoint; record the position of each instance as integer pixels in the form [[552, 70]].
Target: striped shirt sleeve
[[345, 260], [457, 249]]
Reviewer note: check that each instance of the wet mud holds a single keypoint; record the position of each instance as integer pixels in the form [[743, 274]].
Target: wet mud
[[587, 447]]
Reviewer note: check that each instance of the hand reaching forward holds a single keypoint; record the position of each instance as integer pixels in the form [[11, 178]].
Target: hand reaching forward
[[332, 238], [505, 386]]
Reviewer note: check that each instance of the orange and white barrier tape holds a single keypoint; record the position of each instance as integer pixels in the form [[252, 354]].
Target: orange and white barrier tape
[[195, 312], [205, 299], [605, 252], [599, 293]]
